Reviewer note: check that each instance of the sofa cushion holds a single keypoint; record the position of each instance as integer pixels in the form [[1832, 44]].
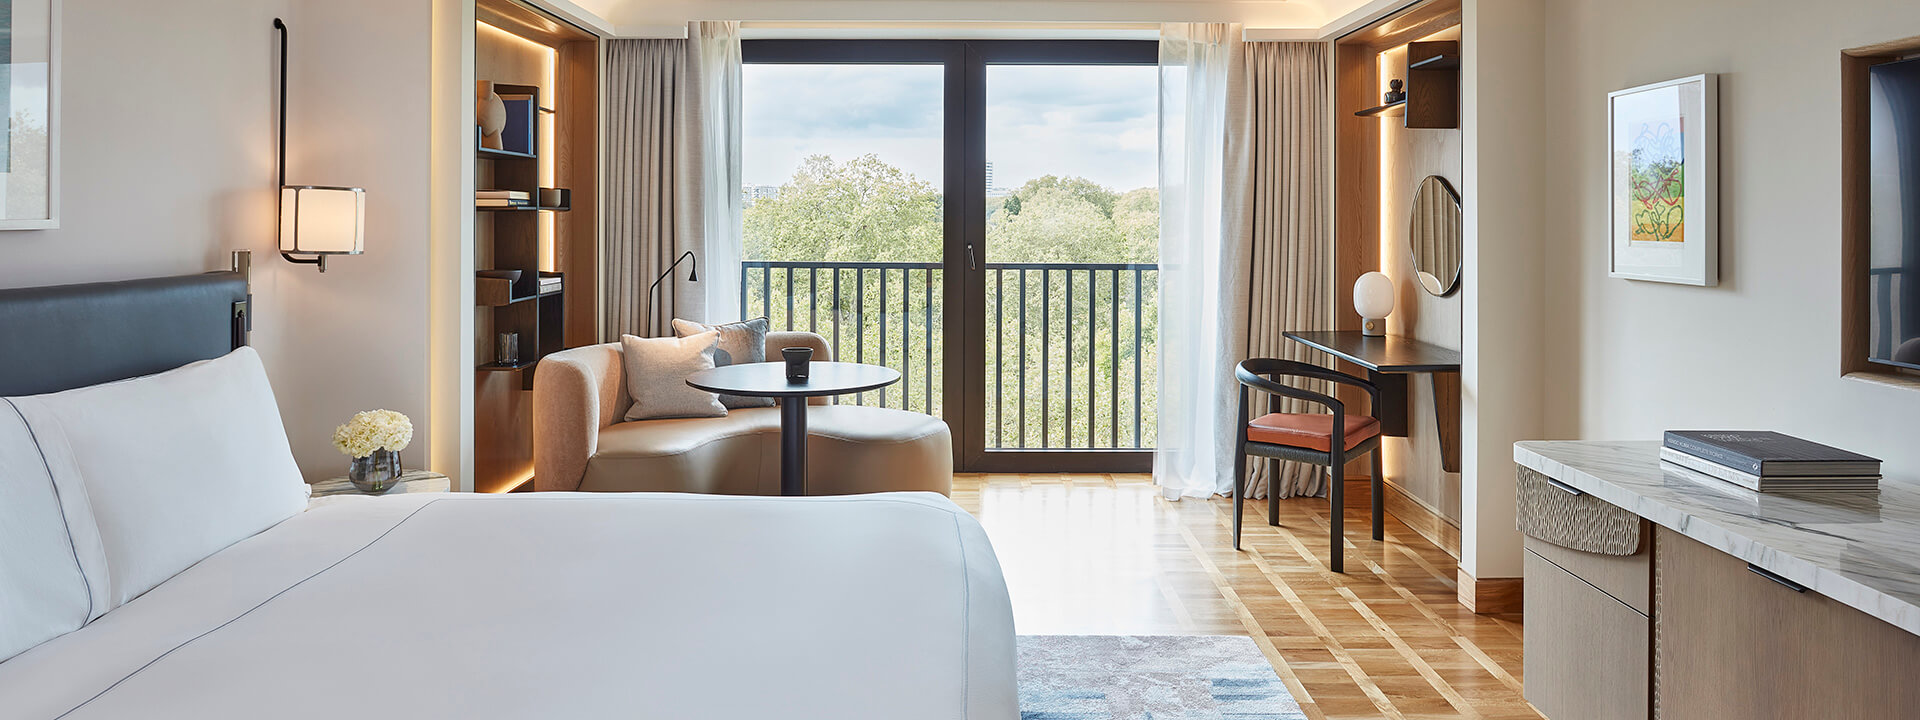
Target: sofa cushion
[[850, 449], [740, 343], [657, 371]]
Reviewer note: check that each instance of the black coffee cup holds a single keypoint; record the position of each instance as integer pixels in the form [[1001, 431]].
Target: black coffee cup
[[798, 359]]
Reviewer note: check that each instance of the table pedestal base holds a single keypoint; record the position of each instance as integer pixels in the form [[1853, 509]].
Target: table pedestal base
[[793, 446]]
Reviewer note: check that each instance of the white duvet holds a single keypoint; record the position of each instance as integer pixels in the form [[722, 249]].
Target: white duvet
[[558, 606]]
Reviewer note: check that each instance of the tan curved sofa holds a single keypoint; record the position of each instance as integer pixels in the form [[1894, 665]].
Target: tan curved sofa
[[580, 441]]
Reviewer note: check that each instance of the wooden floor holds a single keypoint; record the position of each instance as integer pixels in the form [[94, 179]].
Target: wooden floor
[[1104, 554]]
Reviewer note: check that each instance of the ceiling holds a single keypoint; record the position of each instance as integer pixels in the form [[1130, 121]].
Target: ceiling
[[1309, 18]]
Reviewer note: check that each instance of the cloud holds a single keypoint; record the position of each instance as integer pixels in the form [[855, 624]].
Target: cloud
[[1097, 122]]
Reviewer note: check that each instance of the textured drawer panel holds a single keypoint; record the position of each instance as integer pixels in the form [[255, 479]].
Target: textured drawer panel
[[1581, 522]]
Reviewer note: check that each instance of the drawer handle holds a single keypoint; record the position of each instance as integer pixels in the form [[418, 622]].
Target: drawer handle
[[1563, 487], [1770, 575]]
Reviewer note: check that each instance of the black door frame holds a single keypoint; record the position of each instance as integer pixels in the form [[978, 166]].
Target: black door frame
[[964, 216]]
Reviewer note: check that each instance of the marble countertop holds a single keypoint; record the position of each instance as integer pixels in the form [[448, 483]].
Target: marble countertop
[[1860, 549]]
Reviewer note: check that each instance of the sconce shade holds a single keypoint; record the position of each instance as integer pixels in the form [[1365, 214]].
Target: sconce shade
[[318, 220]]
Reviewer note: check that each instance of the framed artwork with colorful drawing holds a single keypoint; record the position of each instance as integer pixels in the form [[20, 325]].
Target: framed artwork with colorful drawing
[[1663, 161]]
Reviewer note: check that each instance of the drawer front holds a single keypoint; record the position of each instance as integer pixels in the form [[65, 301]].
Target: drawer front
[[1587, 655], [1732, 644], [1571, 519], [1628, 578]]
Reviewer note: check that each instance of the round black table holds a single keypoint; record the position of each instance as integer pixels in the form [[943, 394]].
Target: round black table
[[769, 379]]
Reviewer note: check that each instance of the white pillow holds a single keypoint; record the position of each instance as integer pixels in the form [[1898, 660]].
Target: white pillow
[[176, 466], [657, 370], [44, 592]]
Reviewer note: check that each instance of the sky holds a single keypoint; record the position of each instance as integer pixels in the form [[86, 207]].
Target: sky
[[1095, 122]]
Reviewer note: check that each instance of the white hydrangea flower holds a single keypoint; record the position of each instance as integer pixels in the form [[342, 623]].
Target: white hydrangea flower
[[373, 430]]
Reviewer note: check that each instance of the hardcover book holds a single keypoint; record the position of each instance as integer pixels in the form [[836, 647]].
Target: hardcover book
[[1767, 454], [1771, 483]]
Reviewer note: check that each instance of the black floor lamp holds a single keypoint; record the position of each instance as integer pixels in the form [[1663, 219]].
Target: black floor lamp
[[693, 275]]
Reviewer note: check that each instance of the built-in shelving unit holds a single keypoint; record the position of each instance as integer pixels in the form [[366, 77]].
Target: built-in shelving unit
[[548, 71]]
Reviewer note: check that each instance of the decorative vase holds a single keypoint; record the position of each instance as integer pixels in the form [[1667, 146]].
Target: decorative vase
[[799, 360], [375, 473], [491, 113]]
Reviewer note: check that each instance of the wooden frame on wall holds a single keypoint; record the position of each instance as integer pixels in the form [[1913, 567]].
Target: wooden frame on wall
[[1856, 214]]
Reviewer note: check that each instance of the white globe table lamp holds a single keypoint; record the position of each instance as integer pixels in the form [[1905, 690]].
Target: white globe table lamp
[[1373, 299]]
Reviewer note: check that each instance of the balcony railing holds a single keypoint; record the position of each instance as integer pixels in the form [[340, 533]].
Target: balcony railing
[[1070, 360]]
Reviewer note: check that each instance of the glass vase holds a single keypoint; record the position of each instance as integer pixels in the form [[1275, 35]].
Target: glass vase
[[375, 473]]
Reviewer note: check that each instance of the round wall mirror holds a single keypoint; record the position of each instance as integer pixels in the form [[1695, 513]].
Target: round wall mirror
[[1435, 235]]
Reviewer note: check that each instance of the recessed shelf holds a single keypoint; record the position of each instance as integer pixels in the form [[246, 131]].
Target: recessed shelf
[[507, 367], [1437, 62], [1392, 109], [520, 208], [487, 153]]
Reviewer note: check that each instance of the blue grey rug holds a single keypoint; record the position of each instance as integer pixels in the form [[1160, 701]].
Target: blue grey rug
[[1149, 677]]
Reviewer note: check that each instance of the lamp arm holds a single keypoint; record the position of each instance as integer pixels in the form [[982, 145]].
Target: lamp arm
[[693, 275]]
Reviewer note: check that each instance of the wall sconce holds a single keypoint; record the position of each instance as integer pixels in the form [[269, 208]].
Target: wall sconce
[[315, 220]]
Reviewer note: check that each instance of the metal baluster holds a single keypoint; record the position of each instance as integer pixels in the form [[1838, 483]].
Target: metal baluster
[[789, 298], [883, 329], [906, 338], [1093, 326], [1023, 357], [813, 300], [927, 367], [766, 292], [743, 289], [1046, 352], [1137, 347], [1066, 366], [999, 364], [838, 350], [860, 322], [1113, 397]]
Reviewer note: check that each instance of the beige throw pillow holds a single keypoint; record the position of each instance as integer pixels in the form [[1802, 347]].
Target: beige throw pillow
[[740, 343], [657, 370]]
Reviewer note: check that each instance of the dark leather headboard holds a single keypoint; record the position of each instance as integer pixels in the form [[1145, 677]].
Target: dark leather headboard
[[68, 336]]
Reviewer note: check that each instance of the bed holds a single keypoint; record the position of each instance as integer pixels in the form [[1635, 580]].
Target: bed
[[551, 605]]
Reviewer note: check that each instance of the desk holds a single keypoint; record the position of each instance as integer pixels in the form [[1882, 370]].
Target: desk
[[1389, 359]]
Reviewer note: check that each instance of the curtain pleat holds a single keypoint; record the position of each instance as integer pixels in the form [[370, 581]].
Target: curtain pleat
[[1291, 272], [644, 230]]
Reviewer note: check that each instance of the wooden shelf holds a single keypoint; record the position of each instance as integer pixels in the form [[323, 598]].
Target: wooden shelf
[[1392, 109], [520, 208], [487, 153], [1437, 62], [504, 367]]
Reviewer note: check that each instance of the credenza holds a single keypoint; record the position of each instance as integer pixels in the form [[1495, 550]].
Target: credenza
[[1653, 592]]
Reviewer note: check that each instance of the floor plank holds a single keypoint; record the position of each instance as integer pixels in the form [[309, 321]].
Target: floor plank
[[1106, 555]]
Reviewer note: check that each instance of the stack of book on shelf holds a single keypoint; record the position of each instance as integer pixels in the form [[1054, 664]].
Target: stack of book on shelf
[[502, 198], [1770, 462], [550, 283]]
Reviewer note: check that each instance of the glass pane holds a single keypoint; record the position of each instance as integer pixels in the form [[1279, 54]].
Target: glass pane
[[1073, 232], [842, 168]]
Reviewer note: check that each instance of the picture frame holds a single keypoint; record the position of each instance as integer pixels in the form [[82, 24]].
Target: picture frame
[[30, 104], [1663, 178]]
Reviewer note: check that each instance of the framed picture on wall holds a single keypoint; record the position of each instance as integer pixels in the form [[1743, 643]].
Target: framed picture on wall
[[30, 102], [1663, 181]]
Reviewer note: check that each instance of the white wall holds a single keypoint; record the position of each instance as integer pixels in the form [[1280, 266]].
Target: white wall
[[167, 141], [168, 135], [1505, 121], [669, 17], [1630, 359]]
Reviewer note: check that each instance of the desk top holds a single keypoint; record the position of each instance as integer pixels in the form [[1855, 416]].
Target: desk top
[[1857, 548], [769, 379], [1385, 353]]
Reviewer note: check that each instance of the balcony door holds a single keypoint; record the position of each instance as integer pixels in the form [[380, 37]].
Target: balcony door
[[980, 216]]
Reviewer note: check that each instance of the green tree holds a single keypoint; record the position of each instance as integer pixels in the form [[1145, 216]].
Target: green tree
[[863, 209]]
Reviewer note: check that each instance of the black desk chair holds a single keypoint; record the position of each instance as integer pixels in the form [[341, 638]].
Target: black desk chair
[[1316, 438]]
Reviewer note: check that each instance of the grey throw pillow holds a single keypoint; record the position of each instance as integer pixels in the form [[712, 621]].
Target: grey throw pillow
[[740, 343], [657, 370]]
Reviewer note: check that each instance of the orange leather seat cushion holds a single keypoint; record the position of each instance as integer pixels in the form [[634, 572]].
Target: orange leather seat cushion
[[1312, 431]]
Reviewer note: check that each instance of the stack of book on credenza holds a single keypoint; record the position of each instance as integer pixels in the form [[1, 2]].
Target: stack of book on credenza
[[502, 198], [1771, 462]]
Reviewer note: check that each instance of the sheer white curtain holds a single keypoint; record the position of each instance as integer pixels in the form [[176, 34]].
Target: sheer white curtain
[[713, 70], [1203, 256]]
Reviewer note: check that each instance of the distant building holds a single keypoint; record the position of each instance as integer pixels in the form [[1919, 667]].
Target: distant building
[[749, 194], [989, 173]]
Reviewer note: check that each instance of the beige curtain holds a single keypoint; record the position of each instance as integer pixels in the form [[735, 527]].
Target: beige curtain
[[1289, 220], [646, 229]]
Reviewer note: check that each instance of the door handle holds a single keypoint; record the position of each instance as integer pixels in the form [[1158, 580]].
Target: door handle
[[971, 265]]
